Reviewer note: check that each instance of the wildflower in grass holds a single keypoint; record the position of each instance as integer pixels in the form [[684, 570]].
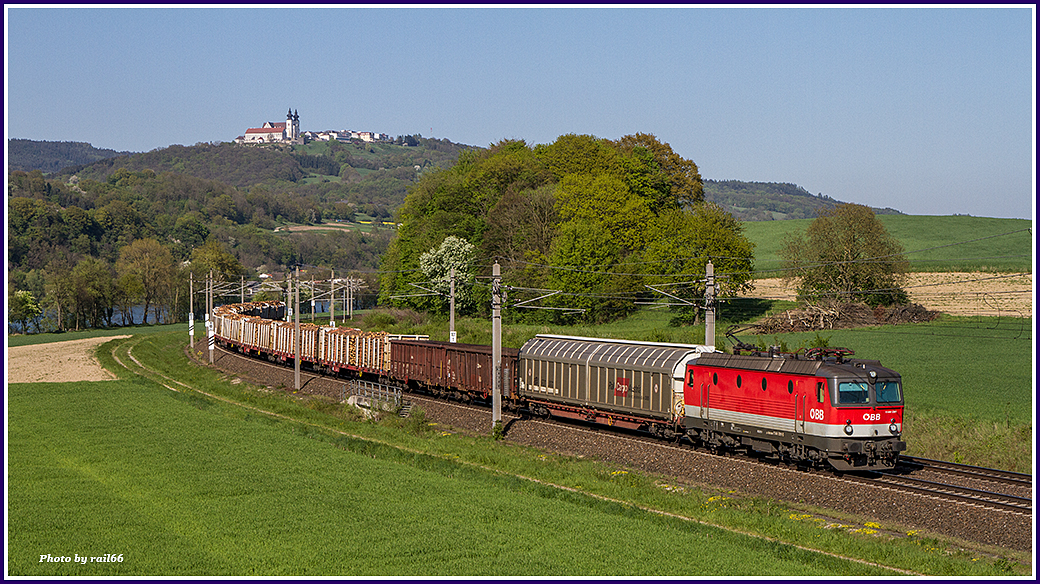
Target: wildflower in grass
[[873, 525], [912, 533], [445, 433], [619, 472], [799, 517], [716, 499]]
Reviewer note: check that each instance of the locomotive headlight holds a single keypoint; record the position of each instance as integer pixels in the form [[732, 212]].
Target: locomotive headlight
[[893, 428], [848, 427], [873, 374]]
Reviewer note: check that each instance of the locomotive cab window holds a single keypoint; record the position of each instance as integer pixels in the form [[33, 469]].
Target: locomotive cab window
[[820, 394], [853, 392], [888, 392]]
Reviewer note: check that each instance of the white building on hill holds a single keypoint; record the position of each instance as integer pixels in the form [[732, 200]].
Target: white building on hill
[[287, 132]]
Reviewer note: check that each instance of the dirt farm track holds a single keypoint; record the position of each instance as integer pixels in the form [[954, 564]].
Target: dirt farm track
[[962, 294]]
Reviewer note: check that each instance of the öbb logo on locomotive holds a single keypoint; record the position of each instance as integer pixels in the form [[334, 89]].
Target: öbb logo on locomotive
[[820, 408]]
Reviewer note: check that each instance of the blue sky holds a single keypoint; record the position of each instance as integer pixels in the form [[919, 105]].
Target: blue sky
[[927, 110]]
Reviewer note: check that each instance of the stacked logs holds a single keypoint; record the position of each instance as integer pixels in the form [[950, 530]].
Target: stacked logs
[[828, 316]]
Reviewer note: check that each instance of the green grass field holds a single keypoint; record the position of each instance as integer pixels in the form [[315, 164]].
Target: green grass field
[[931, 243], [267, 484]]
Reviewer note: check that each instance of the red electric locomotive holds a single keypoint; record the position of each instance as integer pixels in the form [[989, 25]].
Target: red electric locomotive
[[811, 409]]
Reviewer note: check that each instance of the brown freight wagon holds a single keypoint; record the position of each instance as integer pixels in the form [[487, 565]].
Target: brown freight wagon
[[456, 367]]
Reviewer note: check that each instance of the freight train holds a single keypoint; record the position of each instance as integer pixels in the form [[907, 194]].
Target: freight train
[[820, 408]]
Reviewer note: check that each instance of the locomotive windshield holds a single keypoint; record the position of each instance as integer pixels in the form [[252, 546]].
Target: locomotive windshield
[[888, 392], [853, 392]]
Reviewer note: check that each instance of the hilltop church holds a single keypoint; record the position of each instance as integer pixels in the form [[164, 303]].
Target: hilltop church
[[287, 132]]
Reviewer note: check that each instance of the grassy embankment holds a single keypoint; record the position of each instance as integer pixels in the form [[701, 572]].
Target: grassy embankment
[[183, 483]]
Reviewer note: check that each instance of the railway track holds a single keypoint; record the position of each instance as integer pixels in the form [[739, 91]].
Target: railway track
[[948, 490], [985, 487], [913, 464], [974, 496]]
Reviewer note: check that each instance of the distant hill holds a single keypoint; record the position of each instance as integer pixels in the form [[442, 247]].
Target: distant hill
[[247, 165], [373, 177], [231, 164], [758, 201], [340, 177], [50, 157]]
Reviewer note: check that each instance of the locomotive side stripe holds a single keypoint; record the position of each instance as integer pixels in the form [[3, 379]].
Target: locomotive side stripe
[[861, 430]]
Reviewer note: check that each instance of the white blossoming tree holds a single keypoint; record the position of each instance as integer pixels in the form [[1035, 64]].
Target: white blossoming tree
[[436, 265]]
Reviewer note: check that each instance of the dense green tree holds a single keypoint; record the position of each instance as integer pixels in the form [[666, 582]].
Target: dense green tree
[[847, 254], [606, 200], [453, 201], [593, 272], [152, 265], [79, 223], [28, 184], [58, 289], [684, 241], [579, 154], [577, 215], [687, 188], [23, 309], [213, 257], [522, 227], [93, 293], [128, 292], [33, 225]]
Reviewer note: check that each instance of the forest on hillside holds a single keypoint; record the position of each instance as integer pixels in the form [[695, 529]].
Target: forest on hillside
[[761, 201], [50, 157], [68, 231]]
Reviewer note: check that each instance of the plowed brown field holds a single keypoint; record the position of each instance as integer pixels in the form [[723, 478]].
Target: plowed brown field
[[957, 293]]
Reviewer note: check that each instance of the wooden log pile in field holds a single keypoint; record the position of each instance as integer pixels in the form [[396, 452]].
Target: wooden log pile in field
[[840, 315]]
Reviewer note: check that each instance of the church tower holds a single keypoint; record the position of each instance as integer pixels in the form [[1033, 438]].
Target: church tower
[[292, 126]]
